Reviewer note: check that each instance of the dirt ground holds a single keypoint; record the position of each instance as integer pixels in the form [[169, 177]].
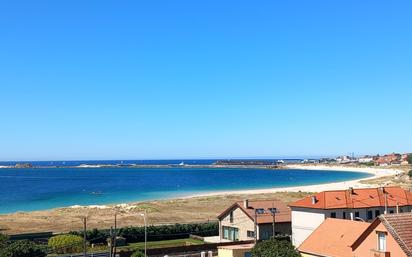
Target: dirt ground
[[186, 210]]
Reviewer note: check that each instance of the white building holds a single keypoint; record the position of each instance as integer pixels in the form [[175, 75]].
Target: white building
[[365, 159], [355, 204]]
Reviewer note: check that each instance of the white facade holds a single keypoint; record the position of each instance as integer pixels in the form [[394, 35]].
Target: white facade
[[365, 159], [306, 220], [304, 223]]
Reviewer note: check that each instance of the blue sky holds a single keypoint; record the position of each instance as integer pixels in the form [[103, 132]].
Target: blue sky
[[204, 79]]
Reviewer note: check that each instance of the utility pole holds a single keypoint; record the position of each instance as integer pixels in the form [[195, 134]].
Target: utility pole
[[84, 237], [111, 242], [273, 216], [386, 202], [145, 232], [255, 226], [115, 234]]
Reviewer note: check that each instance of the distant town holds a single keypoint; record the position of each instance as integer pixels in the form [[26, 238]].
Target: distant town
[[392, 159]]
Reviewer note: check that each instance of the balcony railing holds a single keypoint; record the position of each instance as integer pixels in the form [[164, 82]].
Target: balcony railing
[[377, 253]]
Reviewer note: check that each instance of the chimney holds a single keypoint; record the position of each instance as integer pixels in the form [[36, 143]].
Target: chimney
[[246, 203], [314, 200], [351, 192]]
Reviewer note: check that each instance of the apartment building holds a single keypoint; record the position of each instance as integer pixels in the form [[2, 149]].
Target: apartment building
[[363, 204]]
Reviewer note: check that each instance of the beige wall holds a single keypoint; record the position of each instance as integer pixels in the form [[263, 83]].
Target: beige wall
[[371, 242], [240, 221], [232, 252], [244, 224]]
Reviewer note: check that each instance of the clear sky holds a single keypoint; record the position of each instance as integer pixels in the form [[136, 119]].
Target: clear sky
[[204, 79]]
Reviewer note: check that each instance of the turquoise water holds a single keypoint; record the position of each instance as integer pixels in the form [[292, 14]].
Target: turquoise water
[[45, 188]]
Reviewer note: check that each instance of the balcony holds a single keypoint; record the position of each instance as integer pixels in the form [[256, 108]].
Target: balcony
[[377, 253]]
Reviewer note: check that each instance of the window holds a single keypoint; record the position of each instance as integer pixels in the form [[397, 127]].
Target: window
[[250, 234], [391, 211], [370, 215], [377, 213], [381, 241], [272, 210], [248, 254], [230, 233], [333, 214], [225, 232], [265, 235], [344, 215], [357, 214], [231, 217]]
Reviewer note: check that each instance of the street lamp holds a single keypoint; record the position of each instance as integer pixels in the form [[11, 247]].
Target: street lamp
[[358, 218], [145, 233]]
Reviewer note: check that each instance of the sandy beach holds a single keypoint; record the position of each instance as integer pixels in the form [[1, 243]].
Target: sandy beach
[[376, 172], [180, 210]]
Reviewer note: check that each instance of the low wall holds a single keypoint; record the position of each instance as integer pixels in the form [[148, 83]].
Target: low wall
[[189, 249]]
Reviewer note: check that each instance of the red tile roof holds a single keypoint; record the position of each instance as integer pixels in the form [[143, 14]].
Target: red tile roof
[[400, 227], [357, 198], [283, 213], [333, 238]]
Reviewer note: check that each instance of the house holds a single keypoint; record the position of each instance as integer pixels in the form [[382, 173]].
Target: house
[[388, 236], [344, 159], [365, 159], [333, 237], [363, 204], [404, 159], [388, 159], [241, 250], [243, 220]]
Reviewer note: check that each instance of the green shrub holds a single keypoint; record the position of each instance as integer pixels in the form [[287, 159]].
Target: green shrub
[[94, 236], [23, 248], [66, 243], [3, 240], [138, 254], [169, 232], [409, 158], [410, 173], [274, 248]]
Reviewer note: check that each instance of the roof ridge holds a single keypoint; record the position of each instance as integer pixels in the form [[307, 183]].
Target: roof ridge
[[360, 188]]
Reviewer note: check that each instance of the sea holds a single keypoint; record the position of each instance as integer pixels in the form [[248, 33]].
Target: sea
[[61, 184]]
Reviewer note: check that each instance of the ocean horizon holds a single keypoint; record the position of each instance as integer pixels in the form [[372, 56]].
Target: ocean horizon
[[205, 161], [33, 189]]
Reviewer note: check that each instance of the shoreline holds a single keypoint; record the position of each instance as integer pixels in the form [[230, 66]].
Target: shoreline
[[175, 209], [376, 172]]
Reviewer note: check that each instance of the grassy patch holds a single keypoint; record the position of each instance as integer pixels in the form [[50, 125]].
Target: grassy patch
[[161, 244]]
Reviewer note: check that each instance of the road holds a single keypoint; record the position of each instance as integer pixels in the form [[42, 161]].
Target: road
[[104, 254]]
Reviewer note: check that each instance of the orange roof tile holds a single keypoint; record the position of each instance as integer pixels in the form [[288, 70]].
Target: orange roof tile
[[357, 198], [333, 238]]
